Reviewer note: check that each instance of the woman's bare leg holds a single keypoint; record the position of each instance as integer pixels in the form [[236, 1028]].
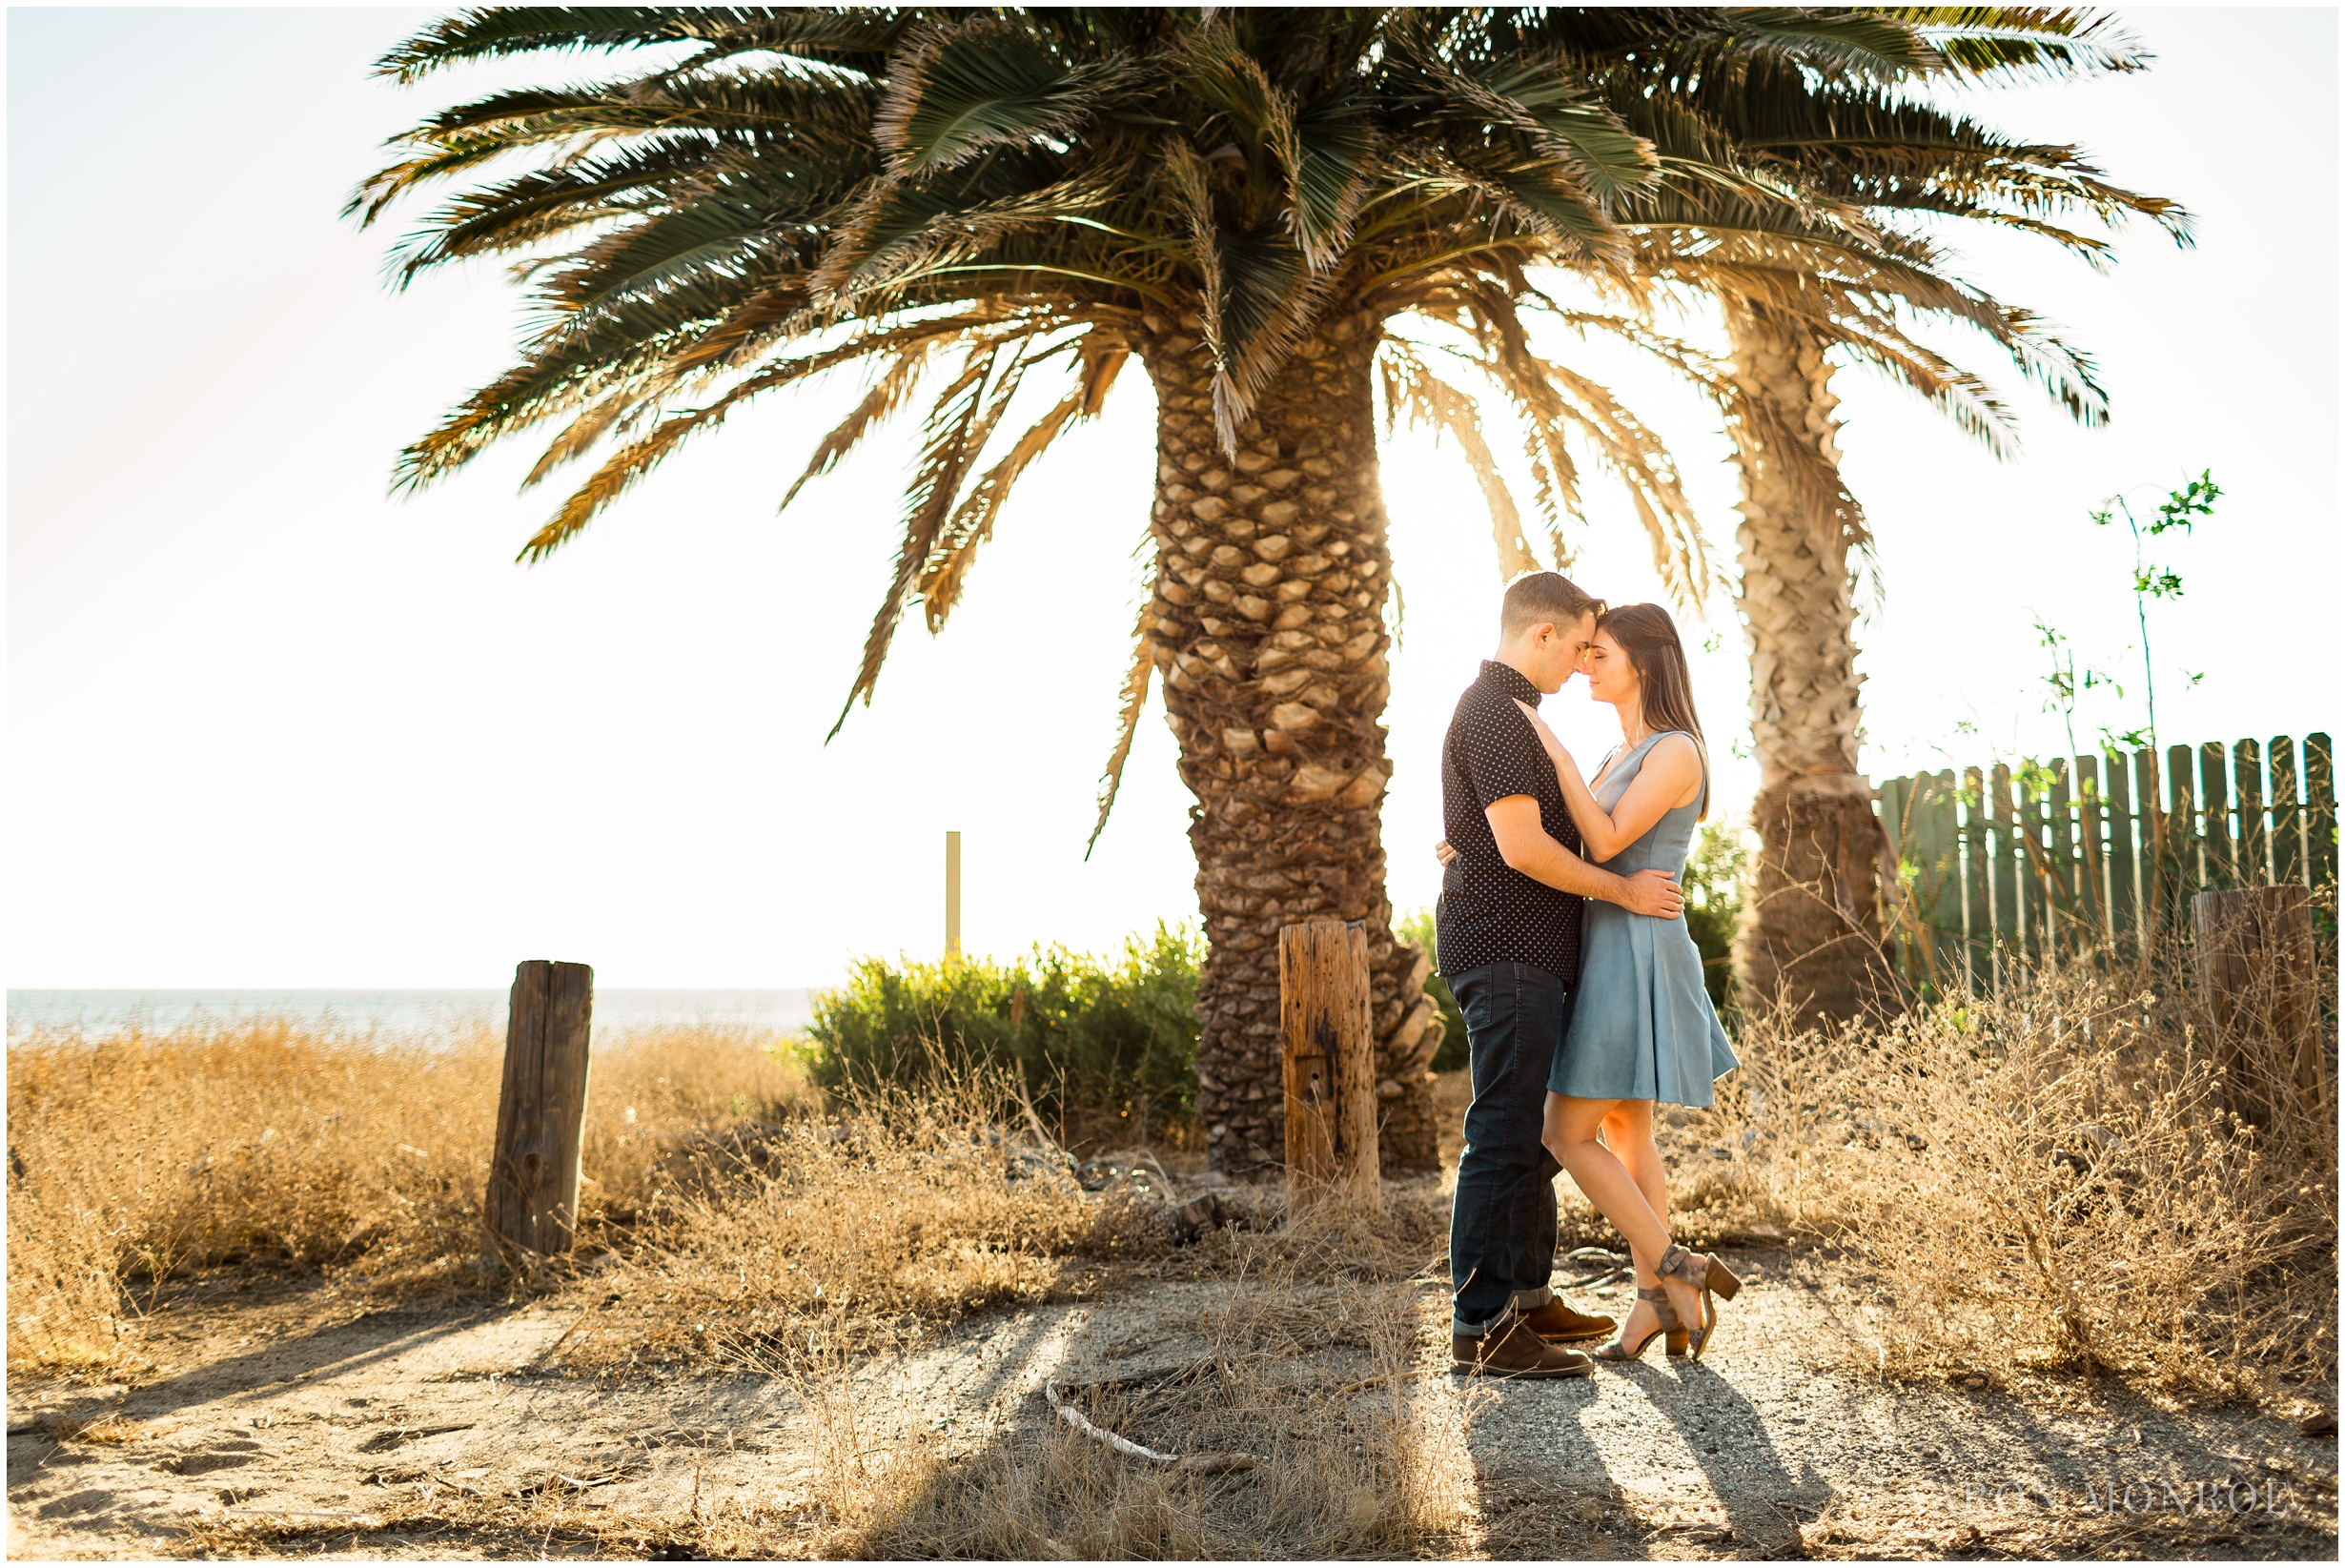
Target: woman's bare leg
[[1629, 1188], [1628, 1132]]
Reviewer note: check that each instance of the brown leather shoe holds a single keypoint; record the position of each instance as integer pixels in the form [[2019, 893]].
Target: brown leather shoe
[[1511, 1349], [1557, 1322]]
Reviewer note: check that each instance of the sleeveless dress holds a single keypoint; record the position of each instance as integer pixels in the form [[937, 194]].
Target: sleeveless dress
[[1641, 1026]]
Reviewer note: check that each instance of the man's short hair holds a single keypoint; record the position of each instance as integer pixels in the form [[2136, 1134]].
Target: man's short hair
[[1536, 597]]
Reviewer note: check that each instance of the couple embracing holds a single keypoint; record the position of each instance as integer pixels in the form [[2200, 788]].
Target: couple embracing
[[1562, 934]]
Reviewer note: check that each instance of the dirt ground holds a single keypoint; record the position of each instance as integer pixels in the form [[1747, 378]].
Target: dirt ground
[[293, 1424]]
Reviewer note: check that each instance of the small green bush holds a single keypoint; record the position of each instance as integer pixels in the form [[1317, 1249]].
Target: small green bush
[[1115, 1035]]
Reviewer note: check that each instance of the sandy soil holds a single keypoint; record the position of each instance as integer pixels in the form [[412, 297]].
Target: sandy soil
[[287, 1412]]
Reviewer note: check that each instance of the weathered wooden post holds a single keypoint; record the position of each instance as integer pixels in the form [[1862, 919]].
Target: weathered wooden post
[[542, 1110], [1328, 1042], [2256, 972]]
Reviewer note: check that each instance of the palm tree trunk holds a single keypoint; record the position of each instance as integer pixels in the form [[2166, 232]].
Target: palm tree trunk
[[1811, 931], [1271, 571]]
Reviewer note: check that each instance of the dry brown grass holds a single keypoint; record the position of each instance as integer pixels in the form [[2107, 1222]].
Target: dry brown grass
[[102, 1430], [1380, 1474], [2041, 1178], [723, 1201], [136, 1159], [886, 1212], [2044, 1177], [1347, 1464]]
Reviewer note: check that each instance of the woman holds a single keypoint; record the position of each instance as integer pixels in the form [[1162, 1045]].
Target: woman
[[1641, 1026]]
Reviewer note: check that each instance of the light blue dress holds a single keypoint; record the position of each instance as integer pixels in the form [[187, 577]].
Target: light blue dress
[[1641, 1026]]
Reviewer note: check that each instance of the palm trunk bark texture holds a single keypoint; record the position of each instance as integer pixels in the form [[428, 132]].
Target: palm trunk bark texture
[[1268, 628], [1811, 932]]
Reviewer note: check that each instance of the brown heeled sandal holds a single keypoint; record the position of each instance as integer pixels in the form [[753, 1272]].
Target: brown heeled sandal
[[1617, 1350], [1712, 1278]]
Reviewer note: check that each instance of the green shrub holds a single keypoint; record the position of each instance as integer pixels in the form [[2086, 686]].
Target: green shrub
[[1116, 1034], [1417, 927], [1713, 883]]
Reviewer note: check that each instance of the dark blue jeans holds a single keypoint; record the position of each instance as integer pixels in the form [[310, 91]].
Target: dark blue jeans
[[1502, 1224]]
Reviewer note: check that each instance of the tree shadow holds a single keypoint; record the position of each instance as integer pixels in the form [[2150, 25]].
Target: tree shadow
[[328, 1350]]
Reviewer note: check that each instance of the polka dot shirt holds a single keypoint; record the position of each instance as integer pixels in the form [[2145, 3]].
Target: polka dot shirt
[[1491, 913]]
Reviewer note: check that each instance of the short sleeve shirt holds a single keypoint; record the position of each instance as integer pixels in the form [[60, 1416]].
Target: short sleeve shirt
[[1489, 912]]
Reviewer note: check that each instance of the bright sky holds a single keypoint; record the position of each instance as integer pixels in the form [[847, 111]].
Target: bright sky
[[269, 726]]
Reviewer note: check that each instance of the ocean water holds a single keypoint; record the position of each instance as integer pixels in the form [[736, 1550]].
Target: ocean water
[[420, 1014]]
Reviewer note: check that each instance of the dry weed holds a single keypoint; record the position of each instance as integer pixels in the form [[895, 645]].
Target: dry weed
[[2047, 1175], [1343, 1465], [106, 1431], [1403, 1236], [136, 1158], [897, 1209]]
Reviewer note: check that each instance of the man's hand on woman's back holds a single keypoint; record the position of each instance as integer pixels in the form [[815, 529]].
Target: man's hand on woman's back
[[1652, 892]]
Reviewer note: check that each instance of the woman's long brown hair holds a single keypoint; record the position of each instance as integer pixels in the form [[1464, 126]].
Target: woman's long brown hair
[[1649, 637]]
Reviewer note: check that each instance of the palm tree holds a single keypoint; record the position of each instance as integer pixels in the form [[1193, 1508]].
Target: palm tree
[[1793, 304], [1280, 213], [959, 199]]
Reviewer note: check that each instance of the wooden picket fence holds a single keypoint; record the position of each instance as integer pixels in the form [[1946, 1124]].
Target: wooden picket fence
[[2007, 865]]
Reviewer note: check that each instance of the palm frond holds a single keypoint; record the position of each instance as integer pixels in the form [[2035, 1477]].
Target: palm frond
[[490, 32], [2066, 373], [1128, 718], [1274, 299], [1559, 117], [1525, 195], [625, 468], [972, 521], [859, 37], [1320, 151], [797, 127], [891, 391], [1257, 295], [1869, 44], [896, 233], [1329, 171], [547, 203], [1966, 399], [2019, 43], [579, 437], [1639, 460], [705, 242], [1498, 329], [952, 445], [958, 88], [1411, 388]]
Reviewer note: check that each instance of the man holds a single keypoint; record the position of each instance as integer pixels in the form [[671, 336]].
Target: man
[[1507, 929]]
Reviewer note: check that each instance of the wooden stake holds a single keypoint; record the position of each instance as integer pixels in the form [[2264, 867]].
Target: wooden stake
[[1329, 1047], [542, 1110], [952, 894]]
